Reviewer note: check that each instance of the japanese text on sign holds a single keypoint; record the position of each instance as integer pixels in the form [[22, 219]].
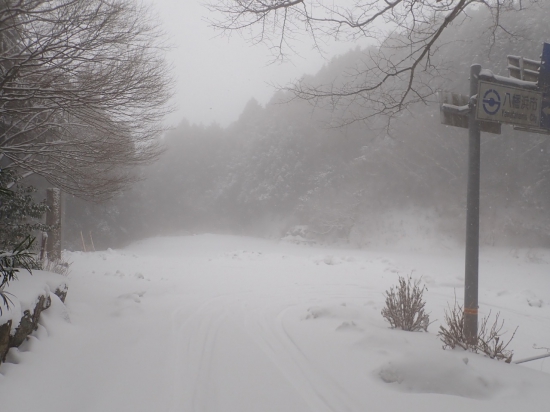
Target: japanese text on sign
[[508, 104]]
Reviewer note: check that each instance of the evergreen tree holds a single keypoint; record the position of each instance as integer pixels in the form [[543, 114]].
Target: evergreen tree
[[19, 216]]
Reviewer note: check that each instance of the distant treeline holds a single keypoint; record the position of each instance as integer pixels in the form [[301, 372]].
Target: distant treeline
[[289, 165]]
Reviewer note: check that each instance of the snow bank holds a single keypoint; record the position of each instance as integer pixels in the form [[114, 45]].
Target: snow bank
[[25, 292]]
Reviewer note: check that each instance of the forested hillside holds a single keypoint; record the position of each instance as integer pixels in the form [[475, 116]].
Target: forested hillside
[[291, 167]]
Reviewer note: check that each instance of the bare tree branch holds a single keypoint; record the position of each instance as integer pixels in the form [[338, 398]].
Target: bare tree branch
[[406, 35], [83, 91]]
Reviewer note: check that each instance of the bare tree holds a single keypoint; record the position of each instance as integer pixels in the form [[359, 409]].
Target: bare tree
[[84, 88], [396, 71]]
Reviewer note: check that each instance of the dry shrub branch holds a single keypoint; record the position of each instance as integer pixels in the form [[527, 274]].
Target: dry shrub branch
[[405, 306], [490, 340]]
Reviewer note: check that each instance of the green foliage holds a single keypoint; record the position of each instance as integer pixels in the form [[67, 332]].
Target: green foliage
[[18, 211], [12, 261], [20, 257]]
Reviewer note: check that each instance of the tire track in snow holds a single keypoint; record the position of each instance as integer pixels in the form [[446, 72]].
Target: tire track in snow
[[261, 318], [194, 344], [317, 387]]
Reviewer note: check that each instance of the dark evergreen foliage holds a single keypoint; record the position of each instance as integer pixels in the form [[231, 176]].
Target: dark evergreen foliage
[[19, 214], [17, 211]]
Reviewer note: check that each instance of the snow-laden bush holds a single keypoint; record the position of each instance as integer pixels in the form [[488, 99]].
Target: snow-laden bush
[[59, 266], [405, 306]]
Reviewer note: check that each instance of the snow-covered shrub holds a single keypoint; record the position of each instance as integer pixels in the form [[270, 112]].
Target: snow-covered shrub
[[299, 234], [405, 306], [489, 339], [59, 266]]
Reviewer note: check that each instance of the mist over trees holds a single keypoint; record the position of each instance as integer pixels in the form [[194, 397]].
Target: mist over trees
[[285, 168]]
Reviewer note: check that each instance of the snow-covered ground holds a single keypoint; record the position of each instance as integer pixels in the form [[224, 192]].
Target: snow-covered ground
[[225, 323]]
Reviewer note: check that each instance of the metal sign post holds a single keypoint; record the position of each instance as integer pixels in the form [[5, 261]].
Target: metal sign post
[[472, 218], [522, 101]]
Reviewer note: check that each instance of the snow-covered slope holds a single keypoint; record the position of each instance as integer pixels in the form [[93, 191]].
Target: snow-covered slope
[[223, 323]]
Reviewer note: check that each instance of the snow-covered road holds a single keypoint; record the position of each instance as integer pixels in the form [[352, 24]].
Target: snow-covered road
[[222, 323]]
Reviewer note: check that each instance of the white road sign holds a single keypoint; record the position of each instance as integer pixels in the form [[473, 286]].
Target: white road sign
[[507, 104]]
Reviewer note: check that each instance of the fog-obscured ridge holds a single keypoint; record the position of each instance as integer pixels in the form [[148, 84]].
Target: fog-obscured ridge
[[283, 168]]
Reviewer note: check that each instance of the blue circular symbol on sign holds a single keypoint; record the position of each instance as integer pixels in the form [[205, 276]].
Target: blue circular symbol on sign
[[491, 102]]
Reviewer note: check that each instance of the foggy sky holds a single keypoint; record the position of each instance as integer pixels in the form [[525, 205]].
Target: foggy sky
[[216, 76]]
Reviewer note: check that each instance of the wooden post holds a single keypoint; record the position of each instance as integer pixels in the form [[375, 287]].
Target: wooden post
[[43, 245], [83, 243], [92, 241], [53, 218]]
